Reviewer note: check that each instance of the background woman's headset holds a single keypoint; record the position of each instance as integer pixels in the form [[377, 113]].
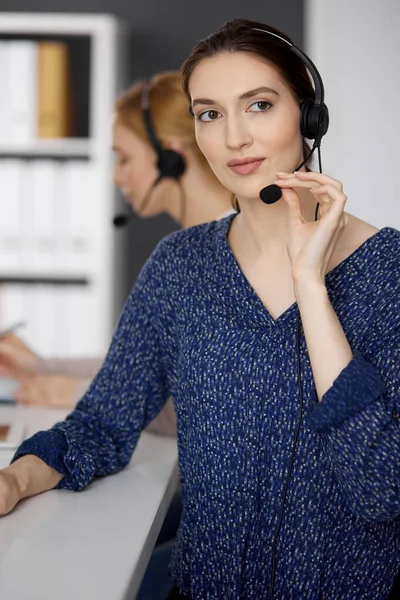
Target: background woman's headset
[[170, 164]]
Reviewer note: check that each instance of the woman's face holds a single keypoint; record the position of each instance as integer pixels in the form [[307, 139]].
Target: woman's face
[[135, 169], [247, 121]]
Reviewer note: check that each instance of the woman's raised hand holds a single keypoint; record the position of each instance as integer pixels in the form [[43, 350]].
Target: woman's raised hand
[[311, 244]]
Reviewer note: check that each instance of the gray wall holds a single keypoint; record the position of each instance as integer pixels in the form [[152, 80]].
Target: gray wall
[[162, 34]]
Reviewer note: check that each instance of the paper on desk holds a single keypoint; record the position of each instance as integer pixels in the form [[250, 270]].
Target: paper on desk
[[11, 434], [7, 389]]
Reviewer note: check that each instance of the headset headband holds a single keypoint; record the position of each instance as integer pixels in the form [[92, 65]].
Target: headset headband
[[147, 117], [315, 75]]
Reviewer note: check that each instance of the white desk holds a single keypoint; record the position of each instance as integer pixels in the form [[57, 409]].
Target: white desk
[[89, 545]]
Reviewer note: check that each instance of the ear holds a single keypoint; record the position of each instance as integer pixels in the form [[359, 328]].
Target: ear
[[176, 145]]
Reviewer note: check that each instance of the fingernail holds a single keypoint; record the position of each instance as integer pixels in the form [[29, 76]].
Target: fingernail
[[282, 174]]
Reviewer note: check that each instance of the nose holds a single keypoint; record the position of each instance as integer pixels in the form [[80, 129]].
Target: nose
[[237, 134]]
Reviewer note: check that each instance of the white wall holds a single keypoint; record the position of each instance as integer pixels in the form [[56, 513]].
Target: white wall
[[356, 46]]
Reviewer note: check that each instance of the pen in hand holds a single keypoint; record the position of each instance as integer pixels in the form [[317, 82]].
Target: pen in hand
[[5, 332]]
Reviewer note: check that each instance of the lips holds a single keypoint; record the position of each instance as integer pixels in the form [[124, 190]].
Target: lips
[[245, 166]]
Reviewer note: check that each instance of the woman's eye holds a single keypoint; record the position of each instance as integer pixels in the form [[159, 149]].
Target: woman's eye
[[208, 115], [260, 106]]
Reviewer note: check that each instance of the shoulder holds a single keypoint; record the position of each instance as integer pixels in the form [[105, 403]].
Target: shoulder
[[185, 254], [367, 267], [379, 247], [187, 244], [374, 269]]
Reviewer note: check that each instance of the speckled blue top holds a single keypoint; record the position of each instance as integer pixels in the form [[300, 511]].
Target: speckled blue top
[[194, 328]]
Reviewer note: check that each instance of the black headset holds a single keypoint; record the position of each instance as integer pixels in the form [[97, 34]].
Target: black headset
[[314, 114], [171, 164], [314, 118]]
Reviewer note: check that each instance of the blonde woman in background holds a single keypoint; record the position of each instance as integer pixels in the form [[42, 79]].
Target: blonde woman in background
[[193, 195]]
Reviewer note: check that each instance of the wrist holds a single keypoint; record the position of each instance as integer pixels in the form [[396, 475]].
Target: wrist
[[307, 288], [18, 472], [22, 471]]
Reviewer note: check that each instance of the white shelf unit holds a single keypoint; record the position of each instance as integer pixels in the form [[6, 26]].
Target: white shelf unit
[[69, 147], [82, 317]]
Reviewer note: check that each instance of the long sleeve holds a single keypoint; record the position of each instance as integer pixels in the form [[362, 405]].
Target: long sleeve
[[85, 369], [359, 421], [99, 436]]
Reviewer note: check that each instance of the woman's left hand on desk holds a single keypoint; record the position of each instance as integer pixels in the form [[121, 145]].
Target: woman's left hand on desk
[[9, 491]]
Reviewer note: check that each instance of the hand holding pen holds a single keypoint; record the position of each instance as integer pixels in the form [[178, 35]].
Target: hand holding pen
[[9, 330], [16, 358]]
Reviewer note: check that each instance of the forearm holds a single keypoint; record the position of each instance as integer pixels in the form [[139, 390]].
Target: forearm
[[75, 367], [327, 345], [32, 476]]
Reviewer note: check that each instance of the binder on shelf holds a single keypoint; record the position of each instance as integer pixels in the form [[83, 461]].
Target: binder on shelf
[[20, 89], [40, 310], [78, 324], [40, 199], [12, 305], [76, 218], [11, 205], [4, 108], [54, 91]]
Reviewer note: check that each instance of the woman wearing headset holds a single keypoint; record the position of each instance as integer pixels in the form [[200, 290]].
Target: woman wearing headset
[[277, 333]]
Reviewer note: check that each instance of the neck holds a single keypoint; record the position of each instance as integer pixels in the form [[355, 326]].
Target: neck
[[264, 228], [203, 198]]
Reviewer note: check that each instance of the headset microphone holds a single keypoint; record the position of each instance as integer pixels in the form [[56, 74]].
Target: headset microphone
[[122, 219], [272, 193]]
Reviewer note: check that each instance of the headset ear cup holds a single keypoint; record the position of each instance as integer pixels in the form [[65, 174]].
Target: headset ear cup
[[170, 164], [314, 120], [323, 120]]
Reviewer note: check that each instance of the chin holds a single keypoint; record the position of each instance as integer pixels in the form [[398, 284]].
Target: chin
[[249, 192], [248, 186]]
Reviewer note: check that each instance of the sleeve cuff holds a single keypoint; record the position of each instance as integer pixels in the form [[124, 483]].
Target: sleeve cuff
[[52, 447], [356, 386]]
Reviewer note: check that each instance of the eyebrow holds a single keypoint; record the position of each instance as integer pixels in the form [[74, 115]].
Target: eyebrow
[[244, 96]]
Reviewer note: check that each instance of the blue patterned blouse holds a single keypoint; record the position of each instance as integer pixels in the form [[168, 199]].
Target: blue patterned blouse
[[194, 328]]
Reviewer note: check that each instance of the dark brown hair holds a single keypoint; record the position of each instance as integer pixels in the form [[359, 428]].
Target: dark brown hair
[[239, 35]]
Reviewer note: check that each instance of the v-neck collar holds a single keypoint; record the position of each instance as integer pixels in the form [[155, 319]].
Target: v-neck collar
[[243, 297]]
